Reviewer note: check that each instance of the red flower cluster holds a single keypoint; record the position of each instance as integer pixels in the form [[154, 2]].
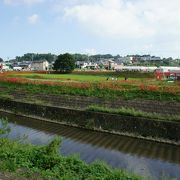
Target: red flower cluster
[[151, 87], [120, 85]]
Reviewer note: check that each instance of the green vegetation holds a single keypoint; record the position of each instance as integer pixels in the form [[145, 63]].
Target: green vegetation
[[65, 63], [45, 162], [94, 90], [120, 74], [86, 76], [98, 84], [4, 128], [67, 77], [135, 113], [38, 57]]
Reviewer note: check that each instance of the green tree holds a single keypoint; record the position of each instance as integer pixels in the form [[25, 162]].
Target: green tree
[[65, 63], [1, 60]]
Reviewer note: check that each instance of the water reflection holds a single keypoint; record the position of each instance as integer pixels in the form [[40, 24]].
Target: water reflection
[[135, 155]]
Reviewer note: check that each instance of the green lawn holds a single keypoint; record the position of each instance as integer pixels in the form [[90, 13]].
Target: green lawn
[[76, 77]]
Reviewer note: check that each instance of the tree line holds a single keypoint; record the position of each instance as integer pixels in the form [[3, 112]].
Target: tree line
[[52, 57], [36, 57]]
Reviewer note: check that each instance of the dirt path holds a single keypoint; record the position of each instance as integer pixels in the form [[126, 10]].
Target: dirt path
[[82, 102]]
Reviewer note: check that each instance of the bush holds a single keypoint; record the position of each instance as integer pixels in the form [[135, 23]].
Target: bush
[[44, 162]]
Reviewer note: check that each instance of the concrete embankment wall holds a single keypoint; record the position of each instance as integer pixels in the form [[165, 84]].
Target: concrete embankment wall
[[127, 125]]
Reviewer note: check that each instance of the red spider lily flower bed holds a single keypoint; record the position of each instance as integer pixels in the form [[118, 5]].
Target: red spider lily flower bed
[[119, 85]]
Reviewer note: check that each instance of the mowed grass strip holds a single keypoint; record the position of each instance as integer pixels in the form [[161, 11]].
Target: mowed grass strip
[[135, 113]]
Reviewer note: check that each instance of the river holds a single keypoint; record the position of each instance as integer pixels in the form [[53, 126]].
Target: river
[[146, 158]]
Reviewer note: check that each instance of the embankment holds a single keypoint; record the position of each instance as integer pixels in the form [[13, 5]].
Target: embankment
[[152, 129]]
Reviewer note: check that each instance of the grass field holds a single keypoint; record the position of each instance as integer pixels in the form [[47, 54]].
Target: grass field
[[92, 77], [65, 77], [82, 76]]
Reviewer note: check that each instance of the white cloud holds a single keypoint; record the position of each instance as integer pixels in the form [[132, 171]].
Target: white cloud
[[127, 18], [27, 2], [33, 19]]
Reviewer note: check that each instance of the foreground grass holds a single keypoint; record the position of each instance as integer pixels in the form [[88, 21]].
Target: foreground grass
[[44, 162], [134, 113], [18, 160]]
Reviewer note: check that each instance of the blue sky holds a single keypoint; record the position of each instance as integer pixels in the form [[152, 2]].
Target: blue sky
[[90, 26]]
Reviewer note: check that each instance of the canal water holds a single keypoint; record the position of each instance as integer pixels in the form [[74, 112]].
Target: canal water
[[150, 159]]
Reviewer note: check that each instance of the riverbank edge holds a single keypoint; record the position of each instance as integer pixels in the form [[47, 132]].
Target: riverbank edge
[[28, 161], [137, 127]]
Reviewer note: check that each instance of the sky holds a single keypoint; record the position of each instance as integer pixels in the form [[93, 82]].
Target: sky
[[90, 27]]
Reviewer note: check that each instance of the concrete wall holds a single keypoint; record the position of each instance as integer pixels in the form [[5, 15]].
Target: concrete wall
[[136, 126]]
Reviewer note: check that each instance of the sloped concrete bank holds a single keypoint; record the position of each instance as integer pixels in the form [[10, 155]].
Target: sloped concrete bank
[[162, 131]]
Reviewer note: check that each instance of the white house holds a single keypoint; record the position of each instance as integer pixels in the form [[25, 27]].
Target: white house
[[81, 64], [92, 66], [125, 60], [87, 65], [40, 65], [25, 65], [17, 68], [4, 67]]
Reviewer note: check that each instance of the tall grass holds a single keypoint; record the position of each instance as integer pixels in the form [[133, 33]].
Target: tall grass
[[134, 113]]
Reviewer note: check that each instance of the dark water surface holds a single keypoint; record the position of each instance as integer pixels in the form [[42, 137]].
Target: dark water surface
[[139, 156]]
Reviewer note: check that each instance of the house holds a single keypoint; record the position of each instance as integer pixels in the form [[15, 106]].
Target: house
[[154, 58], [25, 65], [149, 58], [92, 66], [81, 64], [4, 67], [87, 65], [125, 60], [51, 65], [111, 64], [40, 65]]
